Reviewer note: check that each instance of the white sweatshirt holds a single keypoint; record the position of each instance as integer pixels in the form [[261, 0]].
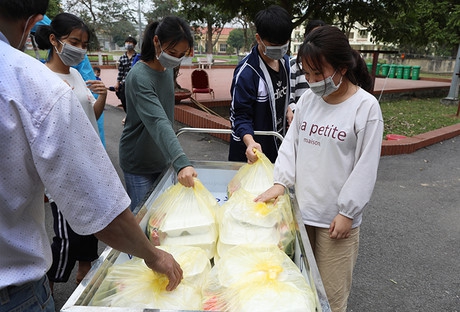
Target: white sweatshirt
[[331, 155]]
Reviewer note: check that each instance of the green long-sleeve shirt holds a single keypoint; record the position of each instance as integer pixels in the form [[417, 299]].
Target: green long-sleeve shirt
[[148, 143]]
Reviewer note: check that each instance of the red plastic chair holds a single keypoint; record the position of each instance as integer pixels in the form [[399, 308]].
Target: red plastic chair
[[200, 82]]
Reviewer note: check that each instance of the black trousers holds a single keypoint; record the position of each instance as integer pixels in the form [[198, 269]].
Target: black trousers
[[121, 95], [68, 247]]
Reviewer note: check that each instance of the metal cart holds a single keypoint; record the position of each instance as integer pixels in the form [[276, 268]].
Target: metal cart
[[215, 176]]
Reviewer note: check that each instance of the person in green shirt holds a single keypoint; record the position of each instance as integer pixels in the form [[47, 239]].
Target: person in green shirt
[[148, 144]]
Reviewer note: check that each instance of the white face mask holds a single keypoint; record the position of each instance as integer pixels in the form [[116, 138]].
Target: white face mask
[[70, 55], [275, 52], [129, 46], [325, 87], [168, 61]]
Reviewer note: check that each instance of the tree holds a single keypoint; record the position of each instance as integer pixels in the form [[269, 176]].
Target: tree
[[236, 39], [200, 11], [120, 31], [54, 8], [162, 9], [100, 15]]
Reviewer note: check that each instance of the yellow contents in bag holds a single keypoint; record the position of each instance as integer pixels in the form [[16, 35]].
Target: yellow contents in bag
[[255, 178]]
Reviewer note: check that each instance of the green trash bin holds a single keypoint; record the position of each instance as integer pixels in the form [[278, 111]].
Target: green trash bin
[[415, 72], [377, 70], [385, 69], [392, 71], [406, 71], [399, 71], [369, 67]]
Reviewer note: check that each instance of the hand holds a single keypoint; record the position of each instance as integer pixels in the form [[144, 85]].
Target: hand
[[272, 193], [250, 155], [164, 262], [186, 176], [96, 86], [289, 116], [340, 227]]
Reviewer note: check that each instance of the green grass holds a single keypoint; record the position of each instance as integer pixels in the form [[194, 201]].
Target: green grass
[[416, 116]]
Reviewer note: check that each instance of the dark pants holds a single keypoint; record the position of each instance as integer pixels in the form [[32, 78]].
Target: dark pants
[[29, 297], [68, 247], [121, 95]]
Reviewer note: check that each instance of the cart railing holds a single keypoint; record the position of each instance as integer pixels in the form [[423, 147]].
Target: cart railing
[[224, 131]]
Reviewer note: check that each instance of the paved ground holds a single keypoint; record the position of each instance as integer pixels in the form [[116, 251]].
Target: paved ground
[[410, 237], [220, 80]]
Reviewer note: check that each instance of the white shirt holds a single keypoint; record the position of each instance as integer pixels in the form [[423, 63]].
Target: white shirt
[[84, 95], [45, 140], [331, 155]]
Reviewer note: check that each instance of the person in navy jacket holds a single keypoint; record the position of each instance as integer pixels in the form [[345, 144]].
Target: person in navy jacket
[[260, 88]]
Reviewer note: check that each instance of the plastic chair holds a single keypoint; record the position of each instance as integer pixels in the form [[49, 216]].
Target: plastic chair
[[200, 82]]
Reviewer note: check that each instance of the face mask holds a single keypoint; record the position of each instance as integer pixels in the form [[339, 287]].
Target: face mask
[[129, 46], [168, 61], [277, 52], [325, 87], [70, 55]]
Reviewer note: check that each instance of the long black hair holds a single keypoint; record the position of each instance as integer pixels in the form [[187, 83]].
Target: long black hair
[[61, 26], [329, 44], [171, 29]]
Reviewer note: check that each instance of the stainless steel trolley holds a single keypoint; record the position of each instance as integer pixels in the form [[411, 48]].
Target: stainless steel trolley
[[215, 176]]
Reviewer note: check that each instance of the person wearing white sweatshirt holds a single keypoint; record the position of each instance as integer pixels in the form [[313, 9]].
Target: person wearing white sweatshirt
[[330, 155]]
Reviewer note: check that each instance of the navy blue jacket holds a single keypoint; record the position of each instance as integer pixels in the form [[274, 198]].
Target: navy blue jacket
[[253, 106]]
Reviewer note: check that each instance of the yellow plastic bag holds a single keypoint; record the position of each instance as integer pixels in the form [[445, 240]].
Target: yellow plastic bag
[[255, 178], [133, 284], [184, 216], [243, 221], [257, 278]]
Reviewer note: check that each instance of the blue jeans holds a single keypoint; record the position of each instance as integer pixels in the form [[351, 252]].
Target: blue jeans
[[138, 185], [29, 297]]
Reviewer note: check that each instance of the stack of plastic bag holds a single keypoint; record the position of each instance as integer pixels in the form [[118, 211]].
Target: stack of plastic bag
[[132, 284], [184, 216], [255, 178], [257, 278], [244, 221]]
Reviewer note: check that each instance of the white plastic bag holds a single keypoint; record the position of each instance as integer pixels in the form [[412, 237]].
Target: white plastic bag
[[257, 278], [133, 284], [184, 216]]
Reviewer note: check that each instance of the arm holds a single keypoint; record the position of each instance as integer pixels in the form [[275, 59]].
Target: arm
[[99, 88], [124, 234]]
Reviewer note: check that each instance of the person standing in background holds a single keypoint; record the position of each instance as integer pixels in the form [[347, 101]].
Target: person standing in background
[[124, 67], [45, 141], [331, 154], [260, 88], [298, 82], [148, 143]]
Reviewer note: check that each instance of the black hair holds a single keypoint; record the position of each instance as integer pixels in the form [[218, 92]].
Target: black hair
[[131, 39], [61, 26], [96, 68], [329, 44], [22, 9], [274, 24], [171, 30], [312, 24]]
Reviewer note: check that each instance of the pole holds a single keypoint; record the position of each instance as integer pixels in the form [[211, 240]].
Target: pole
[[452, 97], [140, 23]]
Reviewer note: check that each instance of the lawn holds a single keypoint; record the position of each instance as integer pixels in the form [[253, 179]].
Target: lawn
[[416, 116]]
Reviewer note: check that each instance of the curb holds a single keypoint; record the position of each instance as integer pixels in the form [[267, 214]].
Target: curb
[[411, 144]]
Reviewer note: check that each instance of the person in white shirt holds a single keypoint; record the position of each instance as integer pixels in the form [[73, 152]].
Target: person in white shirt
[[330, 155], [45, 141], [67, 38]]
